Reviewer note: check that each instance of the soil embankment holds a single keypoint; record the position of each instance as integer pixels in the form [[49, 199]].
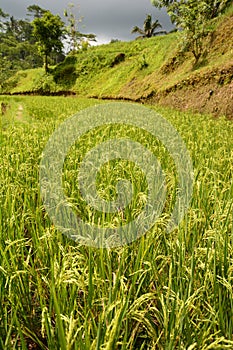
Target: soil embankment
[[211, 93]]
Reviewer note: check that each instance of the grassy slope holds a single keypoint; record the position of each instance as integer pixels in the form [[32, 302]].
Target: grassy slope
[[147, 67], [94, 76]]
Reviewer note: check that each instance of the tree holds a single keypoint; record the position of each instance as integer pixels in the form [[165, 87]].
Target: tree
[[25, 29], [49, 32], [17, 47], [149, 28], [162, 3], [193, 17], [36, 11], [20, 29], [76, 38], [215, 7], [3, 16]]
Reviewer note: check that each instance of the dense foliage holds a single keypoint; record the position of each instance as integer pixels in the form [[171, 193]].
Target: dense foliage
[[48, 32], [213, 7], [39, 39], [18, 44], [193, 18]]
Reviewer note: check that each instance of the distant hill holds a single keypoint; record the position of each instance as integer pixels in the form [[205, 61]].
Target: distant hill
[[149, 70]]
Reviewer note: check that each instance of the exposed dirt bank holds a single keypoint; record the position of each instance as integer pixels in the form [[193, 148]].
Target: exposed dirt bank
[[208, 99], [211, 93]]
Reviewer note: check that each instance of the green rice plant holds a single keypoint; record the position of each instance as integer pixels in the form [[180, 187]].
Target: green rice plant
[[163, 291]]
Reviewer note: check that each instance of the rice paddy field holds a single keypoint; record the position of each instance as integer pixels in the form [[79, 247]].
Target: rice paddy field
[[163, 291]]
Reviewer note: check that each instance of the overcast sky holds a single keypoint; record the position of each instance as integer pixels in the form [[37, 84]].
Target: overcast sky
[[108, 19]]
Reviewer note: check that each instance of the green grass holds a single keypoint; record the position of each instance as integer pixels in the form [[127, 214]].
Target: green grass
[[164, 291]]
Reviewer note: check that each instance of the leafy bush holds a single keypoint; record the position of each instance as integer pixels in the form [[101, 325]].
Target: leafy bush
[[143, 62], [65, 74], [70, 59], [44, 83]]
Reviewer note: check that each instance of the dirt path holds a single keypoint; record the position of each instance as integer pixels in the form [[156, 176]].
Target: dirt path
[[19, 114]]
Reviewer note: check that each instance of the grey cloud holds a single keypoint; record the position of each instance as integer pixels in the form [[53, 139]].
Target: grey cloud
[[106, 18]]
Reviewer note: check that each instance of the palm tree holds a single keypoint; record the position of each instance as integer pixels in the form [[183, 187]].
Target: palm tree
[[149, 28]]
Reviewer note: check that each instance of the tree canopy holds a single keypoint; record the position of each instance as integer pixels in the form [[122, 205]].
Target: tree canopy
[[75, 38], [17, 46], [49, 32], [213, 7], [35, 11], [37, 39], [193, 18], [149, 28]]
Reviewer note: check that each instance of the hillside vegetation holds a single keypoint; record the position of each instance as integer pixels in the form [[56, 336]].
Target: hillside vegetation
[[148, 69]]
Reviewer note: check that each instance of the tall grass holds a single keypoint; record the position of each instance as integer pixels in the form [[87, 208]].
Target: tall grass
[[164, 291]]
